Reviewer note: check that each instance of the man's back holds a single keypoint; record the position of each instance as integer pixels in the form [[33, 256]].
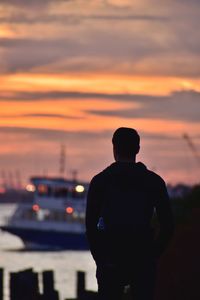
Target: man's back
[[125, 196], [121, 202]]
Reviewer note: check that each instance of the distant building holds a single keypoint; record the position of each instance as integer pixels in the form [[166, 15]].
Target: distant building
[[178, 191]]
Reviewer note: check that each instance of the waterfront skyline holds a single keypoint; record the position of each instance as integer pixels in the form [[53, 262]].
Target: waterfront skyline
[[74, 71]]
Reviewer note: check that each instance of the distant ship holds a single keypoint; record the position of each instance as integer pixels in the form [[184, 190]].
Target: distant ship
[[55, 218]]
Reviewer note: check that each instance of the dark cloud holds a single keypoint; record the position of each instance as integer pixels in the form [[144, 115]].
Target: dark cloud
[[124, 49], [155, 44], [53, 134], [181, 2], [43, 115], [22, 18], [121, 17], [182, 105], [181, 95], [60, 95], [30, 3], [25, 54], [102, 51], [77, 18], [60, 116], [58, 135], [107, 44]]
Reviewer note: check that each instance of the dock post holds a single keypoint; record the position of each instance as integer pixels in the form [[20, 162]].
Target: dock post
[[80, 287], [48, 281], [49, 293], [1, 283], [24, 285], [13, 286]]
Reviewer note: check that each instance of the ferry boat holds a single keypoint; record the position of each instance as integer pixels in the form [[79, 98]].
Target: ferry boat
[[55, 218]]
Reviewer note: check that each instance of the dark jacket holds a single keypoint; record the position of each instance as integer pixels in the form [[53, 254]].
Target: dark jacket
[[129, 177]]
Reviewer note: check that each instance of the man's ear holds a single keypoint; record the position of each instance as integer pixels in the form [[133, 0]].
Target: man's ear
[[114, 153], [138, 149]]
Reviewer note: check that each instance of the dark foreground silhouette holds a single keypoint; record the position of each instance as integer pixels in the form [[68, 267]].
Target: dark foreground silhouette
[[121, 203], [179, 268]]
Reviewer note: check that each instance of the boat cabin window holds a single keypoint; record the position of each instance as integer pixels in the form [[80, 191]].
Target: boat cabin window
[[43, 190], [46, 215], [61, 192], [58, 191]]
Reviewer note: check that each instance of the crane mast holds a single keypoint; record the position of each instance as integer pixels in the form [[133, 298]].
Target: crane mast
[[192, 147], [62, 160]]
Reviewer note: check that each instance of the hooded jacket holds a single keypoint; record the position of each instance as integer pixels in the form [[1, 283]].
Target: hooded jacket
[[130, 179]]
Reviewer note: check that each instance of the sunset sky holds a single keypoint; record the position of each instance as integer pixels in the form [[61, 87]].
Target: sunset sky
[[71, 72]]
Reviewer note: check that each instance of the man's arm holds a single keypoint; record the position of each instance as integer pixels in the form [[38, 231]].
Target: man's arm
[[165, 218], [92, 216]]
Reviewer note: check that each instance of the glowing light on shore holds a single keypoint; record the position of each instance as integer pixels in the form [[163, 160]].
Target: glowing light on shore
[[30, 188], [69, 210], [36, 207], [2, 190], [79, 188]]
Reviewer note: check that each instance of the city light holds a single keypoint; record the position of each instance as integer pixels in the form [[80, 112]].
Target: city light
[[36, 207], [79, 188], [2, 190], [30, 188], [69, 210]]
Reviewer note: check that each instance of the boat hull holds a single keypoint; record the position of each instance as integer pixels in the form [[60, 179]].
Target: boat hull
[[49, 239]]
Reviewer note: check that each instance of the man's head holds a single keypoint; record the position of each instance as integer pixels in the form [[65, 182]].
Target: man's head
[[126, 143]]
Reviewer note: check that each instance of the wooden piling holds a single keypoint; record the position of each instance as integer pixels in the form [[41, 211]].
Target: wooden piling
[[80, 284], [24, 285], [49, 292], [48, 281], [1, 283]]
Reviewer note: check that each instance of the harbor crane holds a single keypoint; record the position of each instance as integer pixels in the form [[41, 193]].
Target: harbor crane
[[62, 160], [192, 147]]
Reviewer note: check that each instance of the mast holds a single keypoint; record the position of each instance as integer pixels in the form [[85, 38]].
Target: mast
[[62, 168], [192, 147]]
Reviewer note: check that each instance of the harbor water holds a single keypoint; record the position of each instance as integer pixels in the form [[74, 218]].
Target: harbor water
[[65, 264]]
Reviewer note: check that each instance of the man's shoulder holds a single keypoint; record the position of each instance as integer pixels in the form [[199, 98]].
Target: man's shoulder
[[155, 178], [101, 176], [151, 177]]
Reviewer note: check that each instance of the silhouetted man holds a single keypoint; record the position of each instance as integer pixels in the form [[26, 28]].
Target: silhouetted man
[[124, 200]]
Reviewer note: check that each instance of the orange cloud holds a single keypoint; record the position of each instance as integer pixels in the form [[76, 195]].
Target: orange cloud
[[101, 83]]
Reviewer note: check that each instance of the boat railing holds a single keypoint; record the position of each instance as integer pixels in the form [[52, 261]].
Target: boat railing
[[35, 213]]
